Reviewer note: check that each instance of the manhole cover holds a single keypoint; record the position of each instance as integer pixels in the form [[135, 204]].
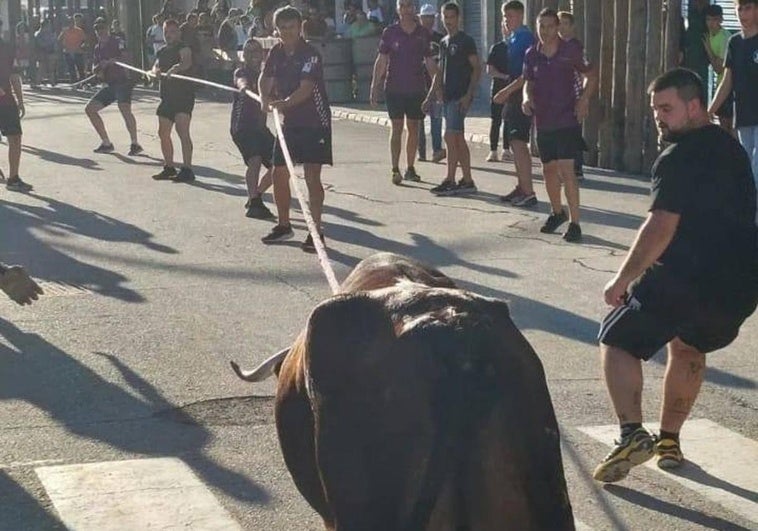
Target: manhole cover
[[235, 411]]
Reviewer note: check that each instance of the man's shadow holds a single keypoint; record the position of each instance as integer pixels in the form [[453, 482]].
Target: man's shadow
[[35, 371]]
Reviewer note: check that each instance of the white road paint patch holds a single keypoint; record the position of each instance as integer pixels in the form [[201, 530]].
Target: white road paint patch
[[160, 493], [721, 464]]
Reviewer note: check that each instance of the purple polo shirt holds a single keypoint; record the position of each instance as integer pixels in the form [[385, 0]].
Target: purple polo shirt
[[288, 71], [553, 84], [6, 71], [246, 112], [406, 51], [112, 48]]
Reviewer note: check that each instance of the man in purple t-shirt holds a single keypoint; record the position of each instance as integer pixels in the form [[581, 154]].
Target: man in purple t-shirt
[[292, 82], [549, 95], [404, 51], [118, 87]]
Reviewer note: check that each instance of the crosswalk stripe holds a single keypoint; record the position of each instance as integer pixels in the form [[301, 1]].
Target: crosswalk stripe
[[721, 463], [160, 493]]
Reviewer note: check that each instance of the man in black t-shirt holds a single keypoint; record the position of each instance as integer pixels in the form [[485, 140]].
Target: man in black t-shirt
[[177, 102], [741, 77], [458, 77], [689, 281], [497, 68]]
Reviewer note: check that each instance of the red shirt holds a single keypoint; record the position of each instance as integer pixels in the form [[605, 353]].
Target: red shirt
[[288, 71]]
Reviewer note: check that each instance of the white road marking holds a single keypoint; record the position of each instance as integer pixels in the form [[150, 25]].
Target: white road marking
[[160, 493], [721, 464], [581, 526]]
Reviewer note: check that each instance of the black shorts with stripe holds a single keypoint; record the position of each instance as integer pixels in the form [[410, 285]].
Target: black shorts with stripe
[[660, 307], [307, 145], [10, 123]]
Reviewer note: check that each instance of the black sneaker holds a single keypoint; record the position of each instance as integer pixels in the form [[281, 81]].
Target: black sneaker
[[15, 184], [308, 245], [411, 175], [279, 233], [185, 175], [135, 149], [573, 234], [168, 173], [397, 177], [510, 197], [463, 188], [104, 148], [554, 221], [445, 188], [257, 210]]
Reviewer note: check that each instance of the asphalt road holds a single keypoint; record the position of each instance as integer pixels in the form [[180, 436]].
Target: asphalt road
[[153, 287]]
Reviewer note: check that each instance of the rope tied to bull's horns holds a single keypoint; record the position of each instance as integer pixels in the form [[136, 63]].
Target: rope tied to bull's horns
[[323, 258]]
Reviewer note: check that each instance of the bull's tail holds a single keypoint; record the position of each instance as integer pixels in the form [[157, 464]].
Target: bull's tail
[[265, 370]]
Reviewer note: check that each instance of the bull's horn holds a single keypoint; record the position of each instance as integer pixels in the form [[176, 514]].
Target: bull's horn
[[263, 371]]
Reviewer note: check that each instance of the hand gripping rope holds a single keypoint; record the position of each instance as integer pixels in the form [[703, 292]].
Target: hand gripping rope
[[318, 244]]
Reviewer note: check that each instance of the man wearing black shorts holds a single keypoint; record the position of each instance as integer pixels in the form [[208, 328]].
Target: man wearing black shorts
[[292, 82], [118, 87], [689, 281], [405, 50], [249, 132], [11, 112], [177, 102]]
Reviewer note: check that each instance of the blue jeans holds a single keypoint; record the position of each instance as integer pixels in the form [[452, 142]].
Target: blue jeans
[[435, 116], [454, 117], [749, 139]]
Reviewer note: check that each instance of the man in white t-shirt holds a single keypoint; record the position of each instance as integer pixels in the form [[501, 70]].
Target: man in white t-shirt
[[154, 38]]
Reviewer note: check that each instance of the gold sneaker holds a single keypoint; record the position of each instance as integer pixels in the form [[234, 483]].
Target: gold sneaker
[[668, 454], [630, 451]]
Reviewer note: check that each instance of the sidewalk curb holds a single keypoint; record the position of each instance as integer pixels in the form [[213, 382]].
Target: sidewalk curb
[[345, 113]]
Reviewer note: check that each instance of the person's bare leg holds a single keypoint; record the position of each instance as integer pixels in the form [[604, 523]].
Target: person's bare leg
[[167, 146], [396, 139], [464, 158], [451, 142], [522, 159], [14, 155], [282, 196], [129, 120], [266, 181], [411, 141], [312, 174], [681, 384], [623, 378], [251, 177], [570, 188], [183, 121], [92, 110], [552, 185]]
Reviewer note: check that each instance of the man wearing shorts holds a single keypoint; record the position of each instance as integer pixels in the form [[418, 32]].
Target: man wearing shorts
[[518, 125], [404, 51], [11, 112], [458, 79], [690, 279], [550, 68], [292, 82], [118, 87], [177, 103], [249, 132]]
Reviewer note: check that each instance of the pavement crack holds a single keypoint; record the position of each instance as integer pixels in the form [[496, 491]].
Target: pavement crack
[[580, 262], [297, 288]]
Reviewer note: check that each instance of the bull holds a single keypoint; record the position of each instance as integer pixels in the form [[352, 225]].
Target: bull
[[408, 404]]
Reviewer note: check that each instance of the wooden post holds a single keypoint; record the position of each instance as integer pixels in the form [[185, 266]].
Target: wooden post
[[674, 28], [635, 79], [621, 32], [592, 29], [605, 92], [653, 53]]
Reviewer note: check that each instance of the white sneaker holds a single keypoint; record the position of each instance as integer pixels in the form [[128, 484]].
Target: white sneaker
[[492, 157]]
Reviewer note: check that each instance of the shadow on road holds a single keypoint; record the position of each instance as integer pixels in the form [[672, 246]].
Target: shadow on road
[[20, 223], [21, 510], [61, 158], [35, 371], [671, 509]]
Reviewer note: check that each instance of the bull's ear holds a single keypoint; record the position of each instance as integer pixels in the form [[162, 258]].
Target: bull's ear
[[346, 335]]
